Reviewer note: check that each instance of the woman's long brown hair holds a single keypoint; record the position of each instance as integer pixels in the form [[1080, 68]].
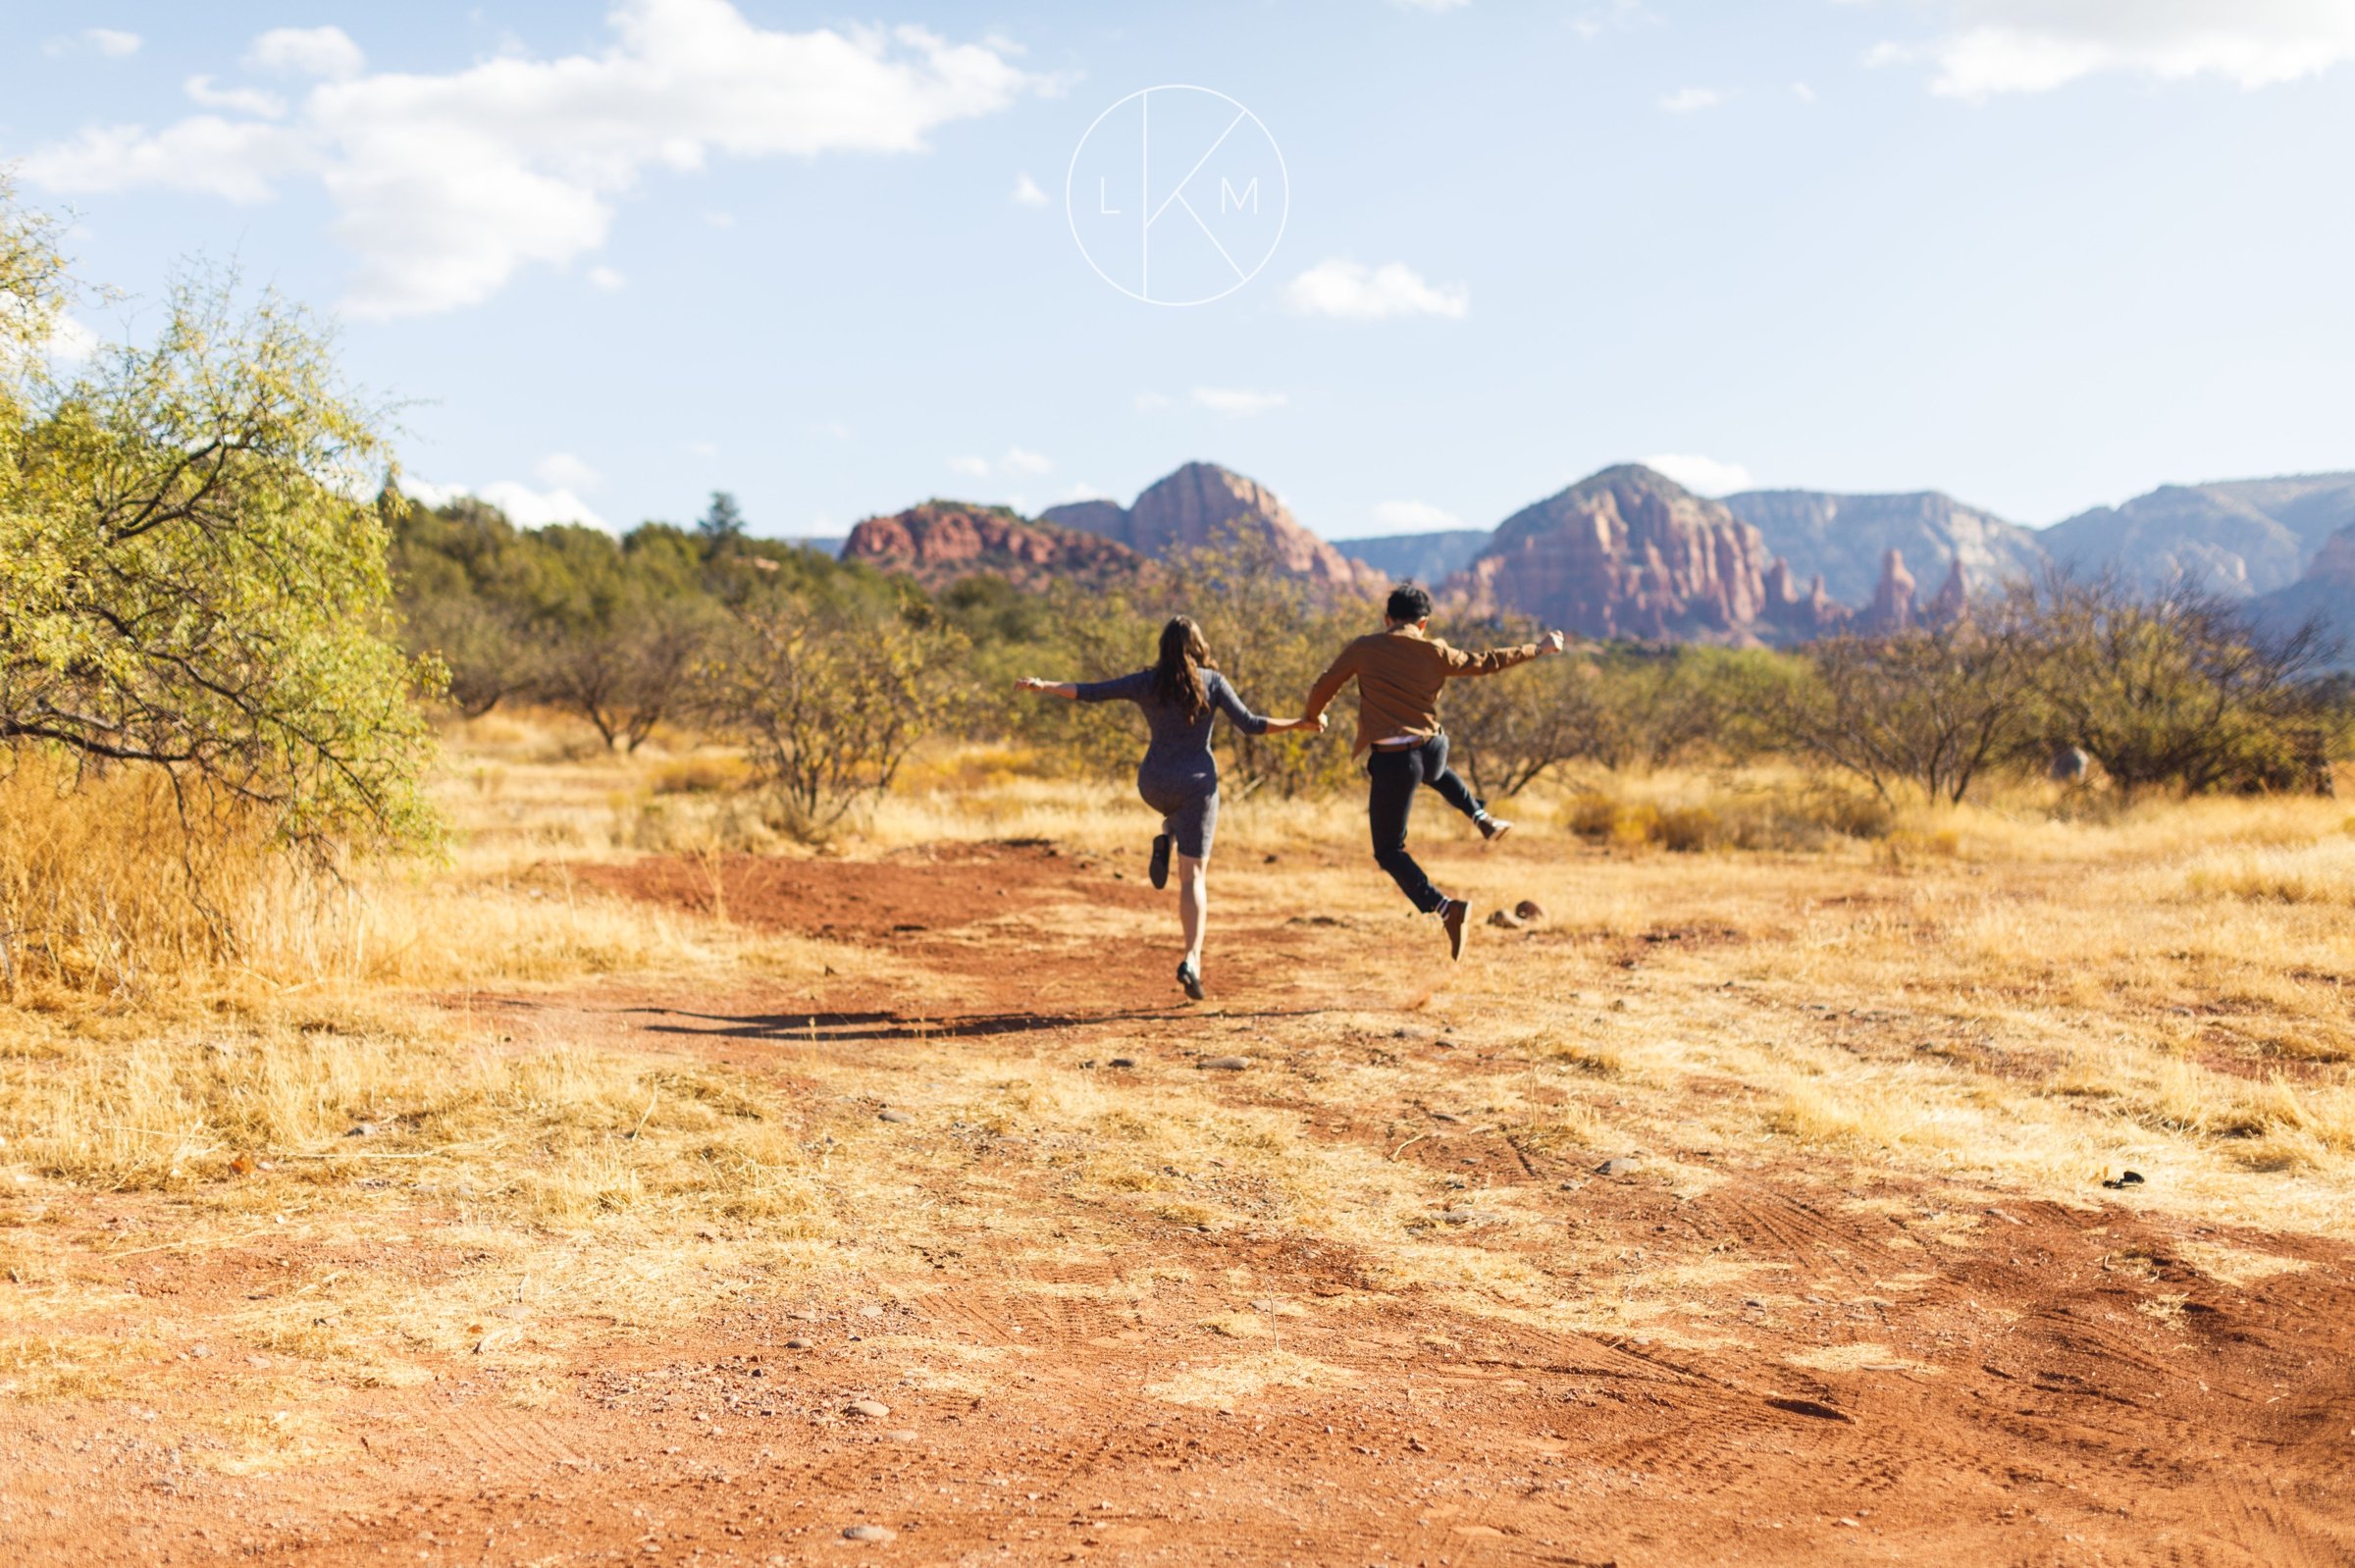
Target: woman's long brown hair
[[1177, 675]]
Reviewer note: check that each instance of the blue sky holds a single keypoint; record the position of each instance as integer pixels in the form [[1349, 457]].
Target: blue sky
[[2040, 253]]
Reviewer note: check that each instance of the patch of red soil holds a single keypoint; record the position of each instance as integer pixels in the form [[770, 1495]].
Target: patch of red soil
[[937, 888], [1843, 1384]]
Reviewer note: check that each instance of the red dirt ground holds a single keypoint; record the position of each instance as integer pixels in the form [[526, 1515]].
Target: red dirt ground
[[2033, 1409]]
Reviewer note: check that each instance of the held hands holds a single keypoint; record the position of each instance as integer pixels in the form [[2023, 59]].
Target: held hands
[[1032, 683], [1551, 643]]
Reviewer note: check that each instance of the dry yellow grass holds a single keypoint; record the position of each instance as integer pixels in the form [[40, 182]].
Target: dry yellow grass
[[1995, 999]]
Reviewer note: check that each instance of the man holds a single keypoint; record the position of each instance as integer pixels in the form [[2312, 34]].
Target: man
[[1399, 672]]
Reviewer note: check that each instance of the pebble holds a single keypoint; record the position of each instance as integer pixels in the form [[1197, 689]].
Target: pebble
[[1470, 1217], [893, 1115], [1623, 1165], [363, 1129], [1123, 1060], [1225, 1064], [871, 1407], [866, 1533], [1506, 920], [901, 1435], [797, 1344], [1530, 910]]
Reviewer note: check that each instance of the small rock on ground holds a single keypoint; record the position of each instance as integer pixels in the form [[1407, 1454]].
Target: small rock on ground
[[1123, 1060], [871, 1407], [1530, 910], [893, 1115], [1506, 920], [1622, 1165], [1225, 1064], [868, 1533]]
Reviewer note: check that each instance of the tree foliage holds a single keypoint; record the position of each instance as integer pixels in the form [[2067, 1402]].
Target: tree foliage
[[1933, 707], [826, 693], [186, 581], [2178, 690]]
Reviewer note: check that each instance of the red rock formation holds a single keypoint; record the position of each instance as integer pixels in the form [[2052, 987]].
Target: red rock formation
[[1952, 602], [1628, 552], [942, 541], [1202, 504], [1892, 608]]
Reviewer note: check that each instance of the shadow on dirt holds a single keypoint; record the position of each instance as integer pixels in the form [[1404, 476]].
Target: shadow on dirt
[[820, 1028]]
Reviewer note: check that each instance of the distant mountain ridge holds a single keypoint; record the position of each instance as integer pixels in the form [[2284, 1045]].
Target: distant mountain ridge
[[1628, 553], [1418, 557], [1194, 507], [2241, 537], [943, 541], [1844, 538]]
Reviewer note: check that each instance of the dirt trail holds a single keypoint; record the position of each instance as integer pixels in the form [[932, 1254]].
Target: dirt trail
[[2014, 1381]]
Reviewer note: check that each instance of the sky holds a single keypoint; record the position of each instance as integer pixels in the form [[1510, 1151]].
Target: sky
[[1412, 265]]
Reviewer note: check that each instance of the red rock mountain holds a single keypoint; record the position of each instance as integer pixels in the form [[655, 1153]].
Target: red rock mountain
[[943, 541], [1628, 552], [1199, 505]]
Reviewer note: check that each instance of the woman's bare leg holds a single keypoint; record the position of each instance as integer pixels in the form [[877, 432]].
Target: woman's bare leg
[[1193, 901]]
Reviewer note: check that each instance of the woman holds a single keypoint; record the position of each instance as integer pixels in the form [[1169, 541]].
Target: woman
[[1178, 777]]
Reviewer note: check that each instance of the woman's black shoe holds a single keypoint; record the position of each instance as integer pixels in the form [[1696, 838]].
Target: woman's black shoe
[[1191, 978], [1160, 869]]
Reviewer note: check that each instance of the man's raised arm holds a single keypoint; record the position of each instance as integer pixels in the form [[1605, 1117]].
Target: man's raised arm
[[1461, 664]]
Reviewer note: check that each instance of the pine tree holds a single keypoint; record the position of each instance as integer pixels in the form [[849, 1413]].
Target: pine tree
[[723, 523]]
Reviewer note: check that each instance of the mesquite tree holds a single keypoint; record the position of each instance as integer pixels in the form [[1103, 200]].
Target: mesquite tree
[[187, 581]]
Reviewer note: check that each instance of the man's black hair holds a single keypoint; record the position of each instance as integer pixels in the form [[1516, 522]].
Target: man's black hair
[[1409, 602]]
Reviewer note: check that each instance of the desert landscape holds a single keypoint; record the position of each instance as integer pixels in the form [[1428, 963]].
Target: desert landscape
[[572, 1203], [1396, 782]]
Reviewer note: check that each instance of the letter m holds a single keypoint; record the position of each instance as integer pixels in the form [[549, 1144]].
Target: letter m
[[1247, 197]]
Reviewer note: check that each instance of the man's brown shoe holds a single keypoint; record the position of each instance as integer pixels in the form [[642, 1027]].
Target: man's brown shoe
[[1455, 914], [1492, 828]]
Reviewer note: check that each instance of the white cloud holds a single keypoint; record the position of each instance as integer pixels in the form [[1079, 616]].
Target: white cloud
[[1704, 475], [525, 506], [235, 160], [1338, 287], [240, 100], [1236, 401], [1997, 46], [1686, 100], [1028, 193], [1414, 517], [1084, 491], [605, 279], [563, 471], [308, 52], [111, 42], [1016, 461], [71, 341], [444, 185]]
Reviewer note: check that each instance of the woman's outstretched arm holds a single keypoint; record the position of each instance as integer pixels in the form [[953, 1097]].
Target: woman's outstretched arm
[[1238, 712], [1120, 689]]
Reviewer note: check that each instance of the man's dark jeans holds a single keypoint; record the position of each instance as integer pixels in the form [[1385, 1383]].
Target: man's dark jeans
[[1393, 779]]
